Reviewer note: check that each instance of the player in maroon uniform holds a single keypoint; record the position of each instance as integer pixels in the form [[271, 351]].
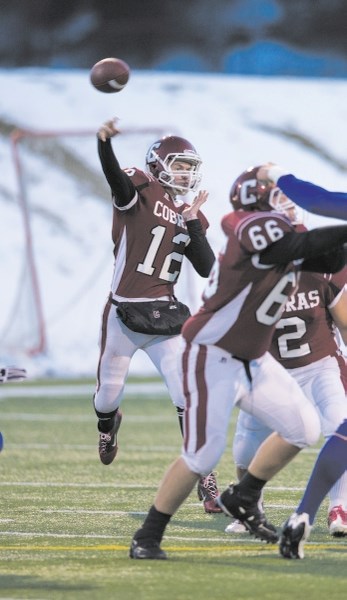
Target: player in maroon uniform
[[153, 230], [343, 369], [225, 359], [305, 344]]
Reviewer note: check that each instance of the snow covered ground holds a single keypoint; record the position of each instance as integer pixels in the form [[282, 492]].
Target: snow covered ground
[[234, 122]]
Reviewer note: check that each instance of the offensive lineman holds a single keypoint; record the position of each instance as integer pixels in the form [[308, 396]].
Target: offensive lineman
[[305, 343], [225, 360]]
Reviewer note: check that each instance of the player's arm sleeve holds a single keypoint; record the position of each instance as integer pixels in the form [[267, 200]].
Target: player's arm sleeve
[[123, 189], [329, 262], [199, 251], [314, 198], [317, 247]]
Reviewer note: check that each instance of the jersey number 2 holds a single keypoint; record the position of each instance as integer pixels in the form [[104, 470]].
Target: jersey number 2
[[300, 330], [146, 266]]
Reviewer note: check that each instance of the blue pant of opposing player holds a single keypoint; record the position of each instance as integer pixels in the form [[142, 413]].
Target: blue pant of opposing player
[[330, 465]]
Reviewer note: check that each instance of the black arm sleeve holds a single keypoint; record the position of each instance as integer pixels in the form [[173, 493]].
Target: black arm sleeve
[[199, 251], [311, 245], [330, 262], [123, 189]]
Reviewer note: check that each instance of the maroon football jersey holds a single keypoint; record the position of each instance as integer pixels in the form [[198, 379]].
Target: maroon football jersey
[[150, 238], [305, 332], [342, 360], [244, 299]]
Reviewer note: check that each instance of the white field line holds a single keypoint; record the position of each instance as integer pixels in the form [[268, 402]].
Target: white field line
[[122, 513], [48, 484], [123, 537], [125, 448], [132, 389], [58, 535], [117, 485], [226, 541], [130, 448], [51, 418]]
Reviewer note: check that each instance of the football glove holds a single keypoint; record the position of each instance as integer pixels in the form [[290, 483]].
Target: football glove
[[9, 374]]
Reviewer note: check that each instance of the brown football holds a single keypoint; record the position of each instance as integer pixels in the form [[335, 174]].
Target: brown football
[[110, 75]]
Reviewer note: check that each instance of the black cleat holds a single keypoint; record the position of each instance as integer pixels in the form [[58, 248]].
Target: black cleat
[[295, 532], [146, 550], [108, 441], [246, 510]]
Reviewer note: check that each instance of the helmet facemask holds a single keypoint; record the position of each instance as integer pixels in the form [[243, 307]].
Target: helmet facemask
[[250, 193], [282, 204], [162, 157], [168, 177]]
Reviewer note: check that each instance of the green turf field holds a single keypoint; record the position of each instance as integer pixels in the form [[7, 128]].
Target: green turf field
[[66, 520]]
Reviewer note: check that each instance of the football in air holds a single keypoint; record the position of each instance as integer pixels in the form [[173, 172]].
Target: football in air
[[110, 75]]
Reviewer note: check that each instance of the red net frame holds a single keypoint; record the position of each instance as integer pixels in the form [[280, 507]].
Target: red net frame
[[16, 138]]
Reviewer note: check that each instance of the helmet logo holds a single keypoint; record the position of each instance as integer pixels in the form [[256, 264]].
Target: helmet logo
[[151, 154], [246, 189]]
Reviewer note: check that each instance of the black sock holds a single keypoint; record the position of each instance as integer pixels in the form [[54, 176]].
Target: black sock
[[180, 413], [250, 485], [153, 527], [106, 420]]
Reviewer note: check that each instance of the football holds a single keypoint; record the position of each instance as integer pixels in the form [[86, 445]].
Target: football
[[110, 75]]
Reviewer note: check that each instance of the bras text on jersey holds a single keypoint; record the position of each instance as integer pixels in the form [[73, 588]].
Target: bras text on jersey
[[302, 301]]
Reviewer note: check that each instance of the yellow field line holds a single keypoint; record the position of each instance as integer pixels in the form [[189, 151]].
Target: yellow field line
[[120, 548]]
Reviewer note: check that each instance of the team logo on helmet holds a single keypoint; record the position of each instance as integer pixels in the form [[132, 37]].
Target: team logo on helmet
[[250, 193]]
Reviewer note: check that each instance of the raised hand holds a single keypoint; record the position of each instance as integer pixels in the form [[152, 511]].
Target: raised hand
[[191, 211], [108, 129]]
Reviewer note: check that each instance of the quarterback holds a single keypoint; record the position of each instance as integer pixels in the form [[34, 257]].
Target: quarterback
[[153, 231]]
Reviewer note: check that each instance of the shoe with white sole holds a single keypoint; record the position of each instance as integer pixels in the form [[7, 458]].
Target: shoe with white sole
[[337, 521], [295, 532], [235, 527], [108, 446]]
